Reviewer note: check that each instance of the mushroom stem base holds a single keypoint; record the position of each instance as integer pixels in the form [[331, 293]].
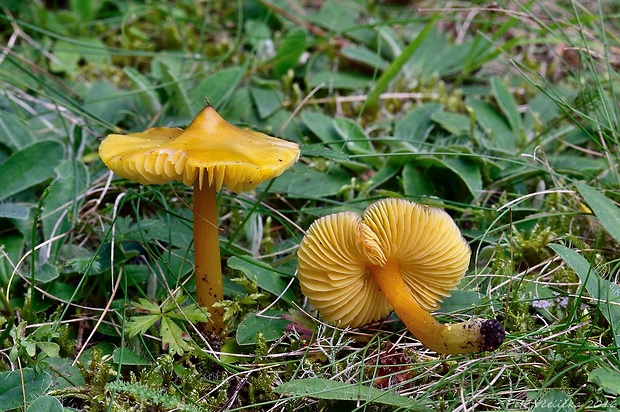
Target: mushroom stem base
[[450, 339], [208, 267]]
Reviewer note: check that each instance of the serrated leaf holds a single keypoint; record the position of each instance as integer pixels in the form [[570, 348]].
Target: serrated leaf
[[334, 390], [605, 210], [25, 168], [191, 313], [140, 324], [174, 339]]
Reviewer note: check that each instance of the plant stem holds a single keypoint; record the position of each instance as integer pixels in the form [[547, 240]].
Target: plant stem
[[208, 267], [450, 339]]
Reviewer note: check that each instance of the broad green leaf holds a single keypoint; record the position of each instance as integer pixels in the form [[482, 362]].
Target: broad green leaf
[[320, 150], [66, 57], [29, 166], [217, 88], [416, 125], [455, 123], [46, 273], [323, 127], [86, 9], [554, 401], [461, 301], [17, 384], [148, 96], [605, 210], [494, 125], [265, 276], [365, 56], [271, 324], [302, 182], [45, 403], [14, 211], [266, 100], [467, 171], [14, 132], [173, 338], [383, 175], [64, 200], [606, 379], [506, 101], [176, 89], [12, 244], [415, 181], [105, 102], [357, 141], [291, 48], [605, 292], [64, 374], [126, 356], [258, 34], [51, 349], [339, 80], [334, 390]]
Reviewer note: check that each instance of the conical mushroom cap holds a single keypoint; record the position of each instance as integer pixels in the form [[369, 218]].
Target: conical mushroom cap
[[210, 150], [339, 250]]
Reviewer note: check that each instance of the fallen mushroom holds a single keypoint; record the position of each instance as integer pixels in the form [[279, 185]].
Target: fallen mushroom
[[401, 256], [209, 154]]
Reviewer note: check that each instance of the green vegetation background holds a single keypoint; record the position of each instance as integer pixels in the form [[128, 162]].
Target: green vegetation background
[[504, 113]]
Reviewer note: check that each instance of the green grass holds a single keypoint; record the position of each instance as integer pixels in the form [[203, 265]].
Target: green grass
[[505, 116]]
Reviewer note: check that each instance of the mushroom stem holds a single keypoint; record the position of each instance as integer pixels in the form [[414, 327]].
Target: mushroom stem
[[450, 339], [208, 267]]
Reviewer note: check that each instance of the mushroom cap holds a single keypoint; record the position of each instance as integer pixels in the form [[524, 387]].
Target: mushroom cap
[[209, 149], [339, 250]]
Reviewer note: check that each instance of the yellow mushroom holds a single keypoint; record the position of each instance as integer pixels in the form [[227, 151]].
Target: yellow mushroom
[[209, 154], [401, 256]]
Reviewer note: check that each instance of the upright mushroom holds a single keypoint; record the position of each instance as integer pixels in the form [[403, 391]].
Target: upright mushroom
[[401, 256], [210, 153]]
